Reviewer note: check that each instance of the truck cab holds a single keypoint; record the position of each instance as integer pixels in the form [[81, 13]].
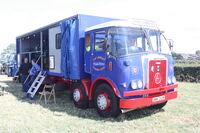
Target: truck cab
[[130, 66]]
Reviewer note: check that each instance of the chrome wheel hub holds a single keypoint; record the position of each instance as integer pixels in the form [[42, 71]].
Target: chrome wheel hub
[[102, 102], [76, 95]]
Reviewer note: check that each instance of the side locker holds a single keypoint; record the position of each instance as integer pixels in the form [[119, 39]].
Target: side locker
[[55, 49]]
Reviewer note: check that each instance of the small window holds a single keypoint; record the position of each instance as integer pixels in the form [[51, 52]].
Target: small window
[[58, 41], [154, 42], [164, 45], [52, 62], [100, 41], [87, 42]]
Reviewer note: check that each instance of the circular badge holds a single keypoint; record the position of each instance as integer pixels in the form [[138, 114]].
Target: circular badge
[[157, 78], [135, 70]]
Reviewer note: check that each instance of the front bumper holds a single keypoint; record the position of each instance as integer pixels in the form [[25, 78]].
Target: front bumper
[[147, 101]]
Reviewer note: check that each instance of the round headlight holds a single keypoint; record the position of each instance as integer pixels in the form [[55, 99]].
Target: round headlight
[[134, 85], [169, 80], [140, 84], [173, 80]]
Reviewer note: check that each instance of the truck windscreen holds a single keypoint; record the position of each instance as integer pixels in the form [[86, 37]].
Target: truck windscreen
[[126, 41], [158, 42]]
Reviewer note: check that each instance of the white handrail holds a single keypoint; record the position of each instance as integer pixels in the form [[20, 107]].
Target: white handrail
[[29, 73]]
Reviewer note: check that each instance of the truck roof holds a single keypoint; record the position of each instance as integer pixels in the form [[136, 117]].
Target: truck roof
[[135, 23], [45, 27], [87, 18], [113, 22]]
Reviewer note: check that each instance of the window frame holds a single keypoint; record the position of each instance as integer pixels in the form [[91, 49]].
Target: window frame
[[90, 39], [99, 32], [52, 60], [58, 41]]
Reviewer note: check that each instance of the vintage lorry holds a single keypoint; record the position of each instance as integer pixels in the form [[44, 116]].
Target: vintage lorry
[[114, 65]]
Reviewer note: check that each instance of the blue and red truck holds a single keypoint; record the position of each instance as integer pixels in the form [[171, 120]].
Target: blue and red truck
[[114, 65]]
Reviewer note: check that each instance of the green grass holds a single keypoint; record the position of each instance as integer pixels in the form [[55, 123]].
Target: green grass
[[181, 115]]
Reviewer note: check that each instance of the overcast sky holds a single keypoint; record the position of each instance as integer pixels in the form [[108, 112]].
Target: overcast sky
[[180, 19]]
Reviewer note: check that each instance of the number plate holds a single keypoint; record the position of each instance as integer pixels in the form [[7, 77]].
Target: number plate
[[156, 99]]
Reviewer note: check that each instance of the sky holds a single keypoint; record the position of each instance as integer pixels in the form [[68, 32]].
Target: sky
[[179, 19]]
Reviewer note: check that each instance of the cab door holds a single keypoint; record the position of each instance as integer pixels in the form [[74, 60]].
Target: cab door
[[95, 54], [98, 60]]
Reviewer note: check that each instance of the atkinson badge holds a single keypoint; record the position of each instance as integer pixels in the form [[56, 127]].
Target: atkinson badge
[[157, 78], [99, 63]]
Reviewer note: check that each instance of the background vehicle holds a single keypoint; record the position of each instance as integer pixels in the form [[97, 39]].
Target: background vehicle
[[11, 64]]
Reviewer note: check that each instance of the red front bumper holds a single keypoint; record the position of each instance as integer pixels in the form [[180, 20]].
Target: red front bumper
[[147, 101]]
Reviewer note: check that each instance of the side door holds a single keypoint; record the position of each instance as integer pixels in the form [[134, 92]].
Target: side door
[[99, 60], [55, 49]]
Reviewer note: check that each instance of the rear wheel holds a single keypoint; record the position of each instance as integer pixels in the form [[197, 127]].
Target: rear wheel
[[106, 102], [159, 106], [79, 96]]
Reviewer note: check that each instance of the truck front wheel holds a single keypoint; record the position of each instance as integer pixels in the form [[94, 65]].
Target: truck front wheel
[[79, 96], [106, 102]]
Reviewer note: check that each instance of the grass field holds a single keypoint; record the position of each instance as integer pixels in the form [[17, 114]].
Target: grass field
[[187, 63], [181, 115]]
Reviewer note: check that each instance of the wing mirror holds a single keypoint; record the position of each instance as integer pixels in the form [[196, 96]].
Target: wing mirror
[[171, 44], [109, 55]]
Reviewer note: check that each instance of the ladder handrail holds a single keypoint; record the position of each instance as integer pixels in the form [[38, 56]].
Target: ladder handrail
[[29, 73], [36, 84]]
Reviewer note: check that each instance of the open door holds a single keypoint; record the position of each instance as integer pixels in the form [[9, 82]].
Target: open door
[[55, 49]]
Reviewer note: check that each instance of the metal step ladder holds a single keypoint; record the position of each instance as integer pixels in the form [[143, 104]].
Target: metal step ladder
[[36, 84]]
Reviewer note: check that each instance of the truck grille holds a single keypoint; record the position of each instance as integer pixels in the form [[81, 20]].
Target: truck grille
[[157, 73]]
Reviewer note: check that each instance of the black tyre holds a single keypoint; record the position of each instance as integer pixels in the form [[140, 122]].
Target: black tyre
[[79, 96], [159, 106], [106, 102]]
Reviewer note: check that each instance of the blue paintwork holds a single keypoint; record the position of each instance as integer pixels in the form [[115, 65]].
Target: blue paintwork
[[78, 64], [72, 43], [54, 74], [122, 72], [171, 64]]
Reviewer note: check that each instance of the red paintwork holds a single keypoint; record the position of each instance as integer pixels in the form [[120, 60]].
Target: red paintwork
[[105, 79], [86, 83], [150, 91], [147, 101], [53, 78], [157, 73], [60, 80]]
